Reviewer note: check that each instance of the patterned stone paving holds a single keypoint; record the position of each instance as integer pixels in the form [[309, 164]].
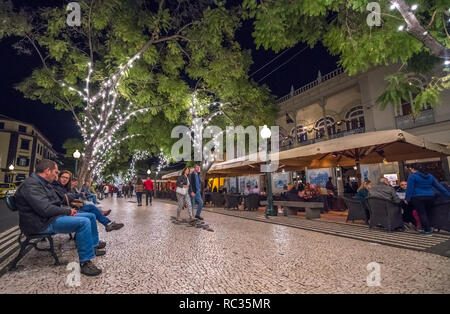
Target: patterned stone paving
[[151, 254]]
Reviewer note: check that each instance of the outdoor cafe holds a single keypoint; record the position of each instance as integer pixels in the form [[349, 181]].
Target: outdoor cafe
[[365, 156]]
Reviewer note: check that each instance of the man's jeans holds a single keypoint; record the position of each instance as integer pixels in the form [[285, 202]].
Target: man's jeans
[[85, 227], [89, 208], [198, 198], [147, 195]]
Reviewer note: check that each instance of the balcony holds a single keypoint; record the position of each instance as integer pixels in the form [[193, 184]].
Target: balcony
[[321, 139], [425, 117]]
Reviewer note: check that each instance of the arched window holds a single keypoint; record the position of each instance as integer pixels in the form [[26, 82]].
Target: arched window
[[355, 118], [406, 107], [299, 133], [320, 126]]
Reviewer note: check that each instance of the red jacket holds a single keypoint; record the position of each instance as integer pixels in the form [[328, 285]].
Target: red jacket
[[148, 184]]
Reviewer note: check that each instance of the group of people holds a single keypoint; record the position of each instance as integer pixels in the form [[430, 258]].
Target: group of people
[[142, 187], [188, 191], [311, 192], [49, 201], [417, 194], [248, 190]]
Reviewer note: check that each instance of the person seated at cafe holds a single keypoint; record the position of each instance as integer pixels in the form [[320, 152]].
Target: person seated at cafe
[[320, 195], [384, 191], [247, 190], [255, 190], [264, 192], [329, 186], [363, 190], [64, 190], [41, 211], [362, 194], [408, 216], [306, 194]]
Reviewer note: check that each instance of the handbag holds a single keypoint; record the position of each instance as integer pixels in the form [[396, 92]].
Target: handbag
[[181, 191]]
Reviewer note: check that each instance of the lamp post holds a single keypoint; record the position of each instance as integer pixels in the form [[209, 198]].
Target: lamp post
[[266, 134], [11, 176], [76, 155]]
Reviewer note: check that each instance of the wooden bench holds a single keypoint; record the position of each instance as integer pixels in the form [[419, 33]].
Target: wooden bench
[[312, 209]]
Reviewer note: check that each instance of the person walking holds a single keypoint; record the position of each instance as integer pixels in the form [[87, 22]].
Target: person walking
[[148, 185], [106, 190], [419, 192], [131, 188], [139, 191], [183, 190], [196, 194]]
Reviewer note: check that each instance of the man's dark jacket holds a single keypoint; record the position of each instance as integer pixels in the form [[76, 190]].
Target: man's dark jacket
[[38, 205], [192, 182]]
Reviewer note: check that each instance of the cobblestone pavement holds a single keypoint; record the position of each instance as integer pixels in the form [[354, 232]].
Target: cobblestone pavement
[[153, 255]]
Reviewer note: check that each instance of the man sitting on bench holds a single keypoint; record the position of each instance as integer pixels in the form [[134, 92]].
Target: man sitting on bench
[[41, 211]]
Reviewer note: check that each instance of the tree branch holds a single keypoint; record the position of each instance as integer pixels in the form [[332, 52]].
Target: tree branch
[[91, 50], [416, 30]]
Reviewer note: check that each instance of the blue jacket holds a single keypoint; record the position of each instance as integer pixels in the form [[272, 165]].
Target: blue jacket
[[421, 184]]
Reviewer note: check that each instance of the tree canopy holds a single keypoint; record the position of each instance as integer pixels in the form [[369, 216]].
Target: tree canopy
[[135, 62], [418, 39]]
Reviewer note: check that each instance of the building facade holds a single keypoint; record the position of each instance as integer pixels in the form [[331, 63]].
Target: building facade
[[336, 105], [22, 146]]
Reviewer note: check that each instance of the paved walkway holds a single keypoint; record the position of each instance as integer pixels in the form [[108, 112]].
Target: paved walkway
[[438, 243], [153, 255]]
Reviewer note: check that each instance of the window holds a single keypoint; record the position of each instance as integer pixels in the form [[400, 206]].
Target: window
[[21, 177], [23, 161], [22, 128], [355, 118], [25, 144], [320, 127], [301, 135], [406, 106], [407, 109], [2, 125]]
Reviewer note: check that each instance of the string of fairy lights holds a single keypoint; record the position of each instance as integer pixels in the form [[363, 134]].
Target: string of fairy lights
[[103, 116], [198, 110]]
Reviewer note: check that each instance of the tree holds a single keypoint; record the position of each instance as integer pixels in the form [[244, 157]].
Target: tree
[[418, 36], [127, 58]]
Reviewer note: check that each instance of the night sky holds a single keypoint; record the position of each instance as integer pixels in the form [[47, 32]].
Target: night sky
[[57, 126]]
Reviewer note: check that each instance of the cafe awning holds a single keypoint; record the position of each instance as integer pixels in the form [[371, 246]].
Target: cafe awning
[[364, 148], [172, 175]]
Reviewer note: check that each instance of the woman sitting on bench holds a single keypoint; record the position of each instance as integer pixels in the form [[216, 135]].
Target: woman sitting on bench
[[62, 188]]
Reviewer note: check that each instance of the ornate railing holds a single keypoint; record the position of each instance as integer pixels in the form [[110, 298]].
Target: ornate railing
[[425, 117], [312, 84], [288, 146]]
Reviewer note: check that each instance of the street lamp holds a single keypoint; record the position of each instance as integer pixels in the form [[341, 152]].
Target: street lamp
[[76, 155], [11, 176], [149, 171], [266, 134]]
